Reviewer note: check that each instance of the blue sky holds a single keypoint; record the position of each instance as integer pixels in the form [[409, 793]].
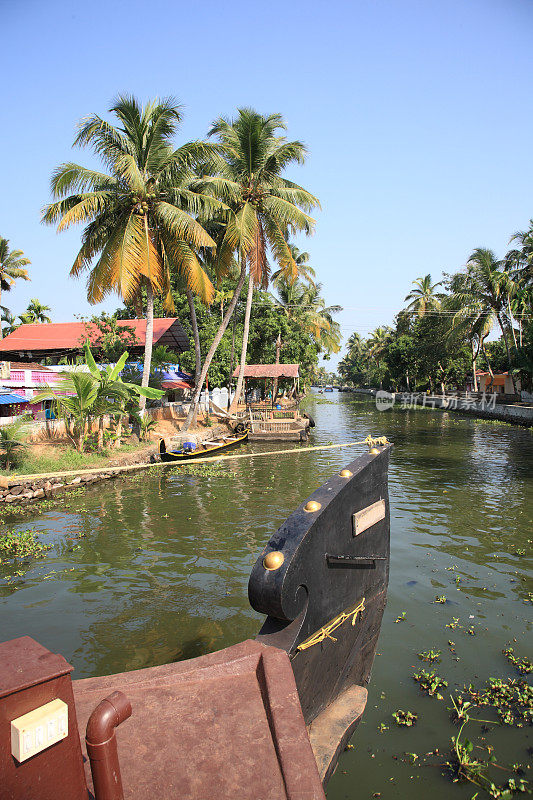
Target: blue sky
[[417, 115]]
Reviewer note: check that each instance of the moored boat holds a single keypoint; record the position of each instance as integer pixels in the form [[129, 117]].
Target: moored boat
[[190, 450]]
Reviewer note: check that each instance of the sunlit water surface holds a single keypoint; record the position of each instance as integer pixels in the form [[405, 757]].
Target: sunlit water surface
[[161, 569]]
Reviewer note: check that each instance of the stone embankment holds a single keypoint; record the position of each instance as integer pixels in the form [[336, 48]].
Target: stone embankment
[[18, 490]]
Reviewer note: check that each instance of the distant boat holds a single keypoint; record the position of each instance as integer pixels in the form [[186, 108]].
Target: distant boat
[[328, 389], [205, 448]]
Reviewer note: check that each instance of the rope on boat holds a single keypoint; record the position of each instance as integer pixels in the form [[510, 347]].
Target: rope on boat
[[327, 630], [369, 441], [116, 470]]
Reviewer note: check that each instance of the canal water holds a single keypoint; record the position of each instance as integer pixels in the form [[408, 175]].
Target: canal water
[[154, 568]]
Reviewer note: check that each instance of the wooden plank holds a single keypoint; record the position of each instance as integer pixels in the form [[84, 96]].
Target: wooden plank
[[364, 519]]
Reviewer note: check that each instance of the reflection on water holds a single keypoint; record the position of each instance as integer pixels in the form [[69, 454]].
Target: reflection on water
[[161, 569]]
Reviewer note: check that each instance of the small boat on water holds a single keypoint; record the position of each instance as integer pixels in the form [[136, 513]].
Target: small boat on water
[[328, 389], [209, 447]]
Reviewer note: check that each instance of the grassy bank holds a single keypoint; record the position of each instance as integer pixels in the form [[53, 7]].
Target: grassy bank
[[57, 458]]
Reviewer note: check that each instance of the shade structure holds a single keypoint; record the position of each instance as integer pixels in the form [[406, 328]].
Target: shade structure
[[57, 339], [269, 371], [10, 399]]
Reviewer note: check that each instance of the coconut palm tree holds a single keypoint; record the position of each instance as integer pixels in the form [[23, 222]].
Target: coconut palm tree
[[470, 319], [424, 297], [11, 322], [36, 312], [139, 214], [12, 263], [304, 271], [325, 329], [265, 206], [13, 442], [491, 285]]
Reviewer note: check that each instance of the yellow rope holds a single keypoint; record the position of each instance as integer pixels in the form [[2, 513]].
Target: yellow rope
[[327, 630], [379, 442], [115, 470]]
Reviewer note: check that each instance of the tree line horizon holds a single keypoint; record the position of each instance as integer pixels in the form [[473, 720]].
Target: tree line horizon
[[440, 339]]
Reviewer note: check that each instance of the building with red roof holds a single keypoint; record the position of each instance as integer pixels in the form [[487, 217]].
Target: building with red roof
[[59, 339]]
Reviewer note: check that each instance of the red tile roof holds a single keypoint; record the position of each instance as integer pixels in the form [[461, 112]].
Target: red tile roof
[[56, 337], [27, 365], [269, 371]]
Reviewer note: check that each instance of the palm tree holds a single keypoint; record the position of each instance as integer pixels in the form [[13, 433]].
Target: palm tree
[[11, 323], [291, 294], [265, 206], [423, 297], [12, 443], [304, 270], [36, 312], [490, 284], [139, 214], [377, 345], [325, 329], [470, 319], [12, 263]]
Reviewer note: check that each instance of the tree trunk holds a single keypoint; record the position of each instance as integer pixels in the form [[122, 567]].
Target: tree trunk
[[195, 336], [498, 317], [474, 373], [148, 342], [491, 373], [101, 433], [118, 432], [212, 350], [512, 323], [275, 382], [245, 333], [232, 357]]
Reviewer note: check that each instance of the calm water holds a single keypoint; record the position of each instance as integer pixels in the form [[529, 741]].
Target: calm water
[[155, 568]]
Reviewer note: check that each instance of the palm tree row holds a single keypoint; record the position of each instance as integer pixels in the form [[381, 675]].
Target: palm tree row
[[158, 216], [489, 294]]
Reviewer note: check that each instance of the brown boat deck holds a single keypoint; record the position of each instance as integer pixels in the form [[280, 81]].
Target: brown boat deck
[[201, 728]]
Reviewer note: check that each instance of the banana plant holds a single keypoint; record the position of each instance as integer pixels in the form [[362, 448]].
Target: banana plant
[[113, 392], [85, 396]]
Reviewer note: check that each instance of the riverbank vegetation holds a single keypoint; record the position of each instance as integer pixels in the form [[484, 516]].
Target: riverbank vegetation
[[445, 334]]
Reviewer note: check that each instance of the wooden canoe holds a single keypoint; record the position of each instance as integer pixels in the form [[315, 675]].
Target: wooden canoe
[[208, 447]]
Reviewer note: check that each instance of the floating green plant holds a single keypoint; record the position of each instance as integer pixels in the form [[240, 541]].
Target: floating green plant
[[18, 545], [430, 655], [402, 617], [523, 664], [405, 718], [430, 683]]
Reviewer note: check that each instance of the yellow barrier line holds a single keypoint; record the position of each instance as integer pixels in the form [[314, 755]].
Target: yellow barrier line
[[130, 467]]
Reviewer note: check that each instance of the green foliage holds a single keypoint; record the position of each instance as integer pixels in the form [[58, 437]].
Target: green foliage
[[107, 338], [146, 427], [523, 664], [86, 396], [12, 444], [15, 546], [430, 655], [12, 264], [36, 312], [430, 683], [405, 718], [441, 337]]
